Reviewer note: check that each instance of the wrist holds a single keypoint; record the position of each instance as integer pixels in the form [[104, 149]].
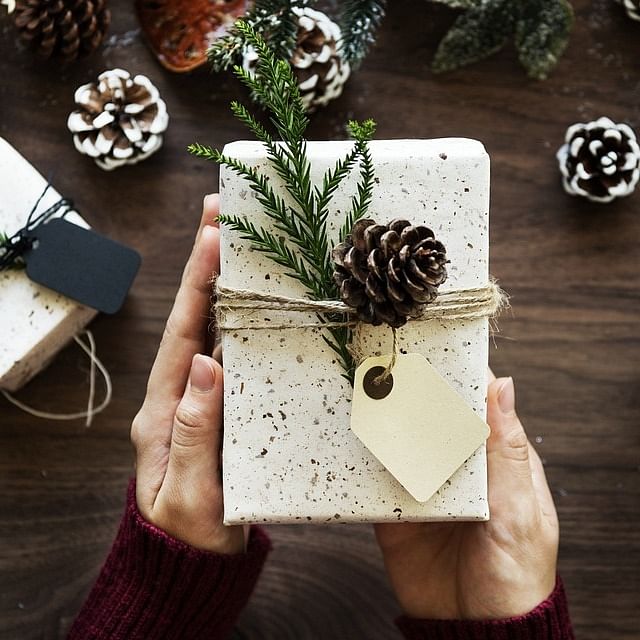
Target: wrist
[[549, 619], [154, 586], [198, 526]]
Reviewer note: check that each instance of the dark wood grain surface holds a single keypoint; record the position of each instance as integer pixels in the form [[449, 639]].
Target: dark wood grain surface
[[571, 343]]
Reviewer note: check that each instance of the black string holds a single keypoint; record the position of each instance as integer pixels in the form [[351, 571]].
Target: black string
[[13, 248]]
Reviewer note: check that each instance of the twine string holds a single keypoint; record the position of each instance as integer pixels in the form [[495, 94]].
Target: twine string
[[383, 377], [457, 304], [89, 348], [460, 304]]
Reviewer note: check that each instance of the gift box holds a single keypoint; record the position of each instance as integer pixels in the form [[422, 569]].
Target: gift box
[[35, 322], [288, 453]]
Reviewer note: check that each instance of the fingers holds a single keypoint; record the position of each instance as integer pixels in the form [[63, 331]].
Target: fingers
[[541, 487], [187, 325], [210, 210], [510, 483], [194, 457]]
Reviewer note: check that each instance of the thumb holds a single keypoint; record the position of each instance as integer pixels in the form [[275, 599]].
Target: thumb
[[508, 461], [197, 426]]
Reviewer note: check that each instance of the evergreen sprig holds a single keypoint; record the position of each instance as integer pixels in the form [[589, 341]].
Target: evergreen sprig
[[304, 249], [5, 245], [276, 22], [359, 20], [540, 30], [273, 20]]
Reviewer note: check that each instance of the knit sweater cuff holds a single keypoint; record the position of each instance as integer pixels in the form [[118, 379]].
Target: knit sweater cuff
[[548, 621], [153, 586]]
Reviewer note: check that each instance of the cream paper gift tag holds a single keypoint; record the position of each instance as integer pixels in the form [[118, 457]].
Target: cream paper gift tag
[[419, 428]]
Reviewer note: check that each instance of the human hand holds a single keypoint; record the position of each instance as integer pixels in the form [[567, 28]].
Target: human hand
[[178, 430], [482, 570]]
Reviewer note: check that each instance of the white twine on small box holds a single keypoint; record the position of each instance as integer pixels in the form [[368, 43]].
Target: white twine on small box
[[92, 410]]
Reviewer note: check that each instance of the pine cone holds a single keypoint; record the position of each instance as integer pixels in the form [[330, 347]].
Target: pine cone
[[389, 272], [632, 8], [120, 120], [600, 160], [316, 60], [65, 29]]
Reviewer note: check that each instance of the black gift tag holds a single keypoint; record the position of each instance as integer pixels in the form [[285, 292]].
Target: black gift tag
[[81, 264]]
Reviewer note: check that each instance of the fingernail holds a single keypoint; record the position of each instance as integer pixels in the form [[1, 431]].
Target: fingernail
[[208, 200], [507, 396], [202, 376]]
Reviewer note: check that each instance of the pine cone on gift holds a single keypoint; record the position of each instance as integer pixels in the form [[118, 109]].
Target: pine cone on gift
[[119, 120], [389, 272], [316, 60], [65, 29], [632, 8], [600, 160]]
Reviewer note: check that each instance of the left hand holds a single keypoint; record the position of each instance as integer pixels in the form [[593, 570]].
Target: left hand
[[177, 432]]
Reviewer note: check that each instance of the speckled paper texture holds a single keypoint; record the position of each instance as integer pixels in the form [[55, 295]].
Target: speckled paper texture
[[289, 455], [35, 322]]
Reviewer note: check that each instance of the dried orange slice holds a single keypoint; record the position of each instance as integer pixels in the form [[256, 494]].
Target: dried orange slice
[[180, 31]]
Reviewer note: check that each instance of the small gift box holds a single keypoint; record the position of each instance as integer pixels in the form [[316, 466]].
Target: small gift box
[[35, 322], [289, 453]]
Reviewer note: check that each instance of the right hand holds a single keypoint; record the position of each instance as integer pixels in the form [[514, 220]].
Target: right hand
[[482, 570]]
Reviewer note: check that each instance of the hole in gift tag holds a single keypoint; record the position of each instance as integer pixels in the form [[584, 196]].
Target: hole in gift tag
[[375, 389]]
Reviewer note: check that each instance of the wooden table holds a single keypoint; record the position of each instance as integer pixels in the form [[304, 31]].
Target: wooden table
[[572, 342]]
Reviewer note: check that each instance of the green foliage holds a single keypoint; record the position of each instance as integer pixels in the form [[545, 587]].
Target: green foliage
[[476, 34], [361, 133], [542, 33], [359, 21], [540, 28], [276, 23], [460, 4], [273, 20], [303, 249]]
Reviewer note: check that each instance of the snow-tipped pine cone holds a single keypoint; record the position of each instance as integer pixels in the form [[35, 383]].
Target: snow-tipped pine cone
[[316, 61], [600, 160], [632, 7], [119, 119], [388, 273]]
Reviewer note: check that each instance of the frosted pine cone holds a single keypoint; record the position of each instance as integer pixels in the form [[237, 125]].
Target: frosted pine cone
[[632, 8], [600, 160], [119, 120], [316, 60], [64, 29], [389, 272]]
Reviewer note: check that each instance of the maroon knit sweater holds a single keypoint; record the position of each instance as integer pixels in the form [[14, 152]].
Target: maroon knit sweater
[[153, 587]]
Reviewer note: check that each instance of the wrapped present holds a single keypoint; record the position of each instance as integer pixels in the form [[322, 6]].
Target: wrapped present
[[35, 322], [289, 453]]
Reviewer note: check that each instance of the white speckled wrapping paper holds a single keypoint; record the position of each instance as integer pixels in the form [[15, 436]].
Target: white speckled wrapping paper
[[35, 322], [289, 455]]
